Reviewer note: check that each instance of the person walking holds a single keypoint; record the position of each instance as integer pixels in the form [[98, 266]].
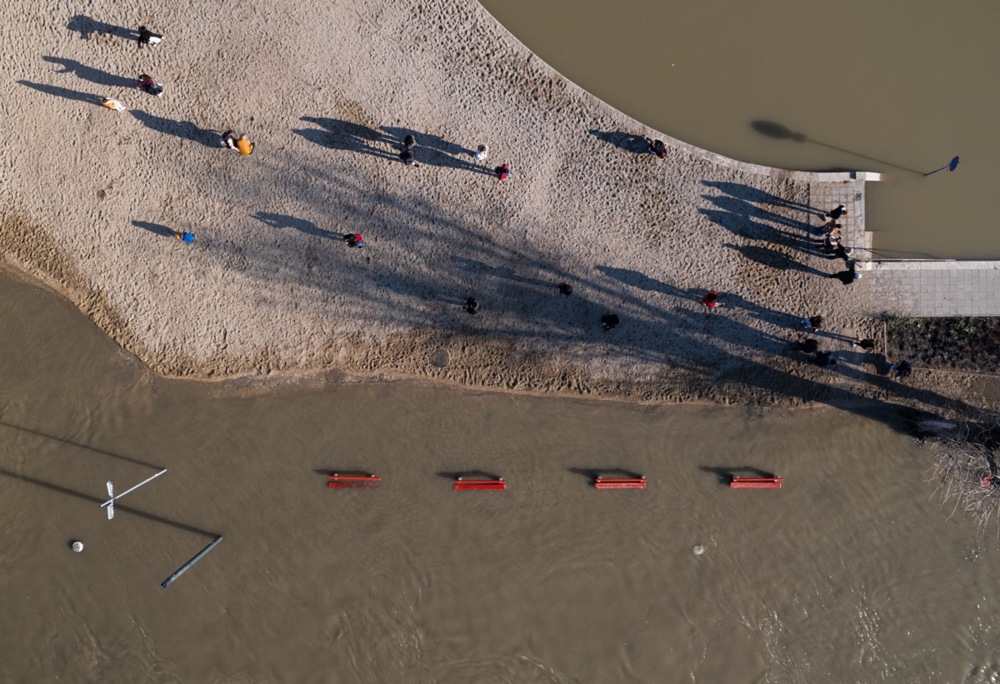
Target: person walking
[[812, 323], [657, 147], [482, 152], [565, 289], [711, 299], [147, 37], [503, 172], [185, 237], [846, 277], [902, 369], [148, 85], [609, 321], [472, 306], [354, 240], [409, 142], [867, 344], [835, 214], [407, 157], [112, 104], [242, 144]]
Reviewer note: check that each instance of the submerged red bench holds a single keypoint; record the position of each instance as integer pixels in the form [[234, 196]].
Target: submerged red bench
[[756, 482], [620, 482], [462, 484], [353, 481]]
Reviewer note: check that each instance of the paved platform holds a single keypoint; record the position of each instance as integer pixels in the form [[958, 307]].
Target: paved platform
[[937, 288]]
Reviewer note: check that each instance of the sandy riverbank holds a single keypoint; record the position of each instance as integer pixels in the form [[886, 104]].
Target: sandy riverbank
[[91, 196]]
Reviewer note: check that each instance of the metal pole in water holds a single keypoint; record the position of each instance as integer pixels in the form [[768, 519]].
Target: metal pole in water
[[184, 568], [132, 489], [951, 166]]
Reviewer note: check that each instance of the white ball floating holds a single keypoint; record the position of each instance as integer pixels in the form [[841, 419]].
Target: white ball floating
[[77, 546]]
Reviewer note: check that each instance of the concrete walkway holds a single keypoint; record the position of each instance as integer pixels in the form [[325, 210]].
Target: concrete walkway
[[935, 288]]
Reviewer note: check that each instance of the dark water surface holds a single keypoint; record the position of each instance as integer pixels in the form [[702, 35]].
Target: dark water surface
[[849, 573], [898, 88]]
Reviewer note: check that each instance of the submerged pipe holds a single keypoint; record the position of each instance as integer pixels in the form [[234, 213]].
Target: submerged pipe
[[184, 568]]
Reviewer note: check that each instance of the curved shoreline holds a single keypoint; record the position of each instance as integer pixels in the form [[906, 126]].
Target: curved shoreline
[[269, 287]]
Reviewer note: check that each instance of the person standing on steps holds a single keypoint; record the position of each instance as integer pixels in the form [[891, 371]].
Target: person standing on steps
[[835, 214]]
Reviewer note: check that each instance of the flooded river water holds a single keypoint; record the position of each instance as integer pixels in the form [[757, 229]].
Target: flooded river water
[[852, 85], [850, 573]]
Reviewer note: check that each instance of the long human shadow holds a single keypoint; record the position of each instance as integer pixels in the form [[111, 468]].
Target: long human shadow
[[775, 130], [781, 319], [745, 209], [338, 134], [642, 281], [285, 221], [504, 272], [78, 445], [86, 26], [65, 93], [181, 129], [749, 193], [745, 227], [155, 228], [86, 73], [120, 508], [626, 141], [768, 256], [434, 150]]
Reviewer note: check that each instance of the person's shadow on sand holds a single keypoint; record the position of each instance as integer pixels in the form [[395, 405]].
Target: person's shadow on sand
[[63, 92], [768, 256], [155, 228], [434, 150], [644, 282], [181, 129], [626, 141], [91, 74], [346, 135], [86, 26], [284, 221]]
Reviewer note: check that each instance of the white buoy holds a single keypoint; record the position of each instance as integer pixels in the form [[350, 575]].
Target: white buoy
[[77, 546], [698, 549]]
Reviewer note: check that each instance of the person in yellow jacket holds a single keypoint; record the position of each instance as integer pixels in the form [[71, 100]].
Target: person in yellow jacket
[[243, 145]]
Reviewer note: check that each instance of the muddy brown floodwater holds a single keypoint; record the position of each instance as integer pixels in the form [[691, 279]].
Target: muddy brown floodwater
[[849, 573], [852, 85]]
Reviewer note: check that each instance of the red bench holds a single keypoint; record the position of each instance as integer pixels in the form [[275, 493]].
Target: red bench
[[756, 482], [462, 484], [620, 482], [353, 481]]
